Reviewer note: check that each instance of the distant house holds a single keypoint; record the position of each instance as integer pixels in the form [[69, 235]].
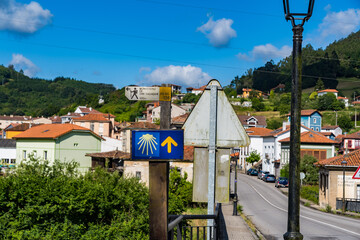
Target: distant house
[[7, 120], [312, 143], [69, 116], [196, 91], [331, 180], [345, 100], [84, 110], [329, 135], [350, 142], [12, 132], [175, 88], [336, 130], [175, 111], [279, 88], [7, 152], [102, 124], [247, 91], [178, 122], [326, 91], [311, 119], [252, 121], [64, 142]]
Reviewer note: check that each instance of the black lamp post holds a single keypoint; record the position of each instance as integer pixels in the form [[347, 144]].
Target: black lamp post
[[297, 21], [343, 164]]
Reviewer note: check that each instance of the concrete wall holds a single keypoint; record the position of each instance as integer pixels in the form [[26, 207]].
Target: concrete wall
[[130, 169], [111, 144], [32, 145]]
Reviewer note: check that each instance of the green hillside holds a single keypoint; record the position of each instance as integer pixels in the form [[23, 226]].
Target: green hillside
[[21, 95]]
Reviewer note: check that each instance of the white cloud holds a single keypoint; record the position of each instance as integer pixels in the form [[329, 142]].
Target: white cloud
[[336, 25], [144, 69], [218, 32], [23, 18], [188, 76], [21, 62], [266, 52]]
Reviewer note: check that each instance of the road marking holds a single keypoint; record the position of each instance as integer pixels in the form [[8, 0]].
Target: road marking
[[326, 224]]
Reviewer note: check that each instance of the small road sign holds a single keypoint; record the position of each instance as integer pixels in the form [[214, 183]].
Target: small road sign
[[157, 144], [136, 93], [357, 174]]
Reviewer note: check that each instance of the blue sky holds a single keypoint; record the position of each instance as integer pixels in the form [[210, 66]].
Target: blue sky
[[150, 42]]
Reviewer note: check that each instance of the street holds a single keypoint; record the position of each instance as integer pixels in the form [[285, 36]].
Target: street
[[266, 206]]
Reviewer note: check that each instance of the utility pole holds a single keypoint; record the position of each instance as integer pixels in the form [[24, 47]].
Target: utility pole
[[159, 184]]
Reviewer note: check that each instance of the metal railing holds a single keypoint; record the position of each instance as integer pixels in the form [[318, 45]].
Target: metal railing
[[180, 230], [351, 204]]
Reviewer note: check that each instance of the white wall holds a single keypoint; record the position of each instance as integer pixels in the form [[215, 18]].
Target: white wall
[[111, 144], [7, 153]]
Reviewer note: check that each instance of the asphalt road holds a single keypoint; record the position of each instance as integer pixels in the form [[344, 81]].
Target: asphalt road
[[267, 207]]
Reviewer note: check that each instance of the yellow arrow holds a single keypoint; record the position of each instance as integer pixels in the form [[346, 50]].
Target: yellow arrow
[[169, 141]]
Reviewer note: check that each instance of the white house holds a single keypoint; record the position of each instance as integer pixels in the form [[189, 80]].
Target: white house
[[7, 151], [175, 111], [336, 130], [345, 100], [326, 91], [111, 144]]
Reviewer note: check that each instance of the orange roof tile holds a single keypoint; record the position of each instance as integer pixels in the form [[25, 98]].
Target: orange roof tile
[[116, 154], [330, 127], [180, 119], [51, 131], [353, 160], [311, 137], [342, 97], [255, 131], [20, 127], [189, 153], [93, 118], [142, 125], [355, 135], [329, 90]]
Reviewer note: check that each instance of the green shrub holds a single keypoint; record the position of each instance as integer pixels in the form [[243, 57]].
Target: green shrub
[[43, 201], [310, 192]]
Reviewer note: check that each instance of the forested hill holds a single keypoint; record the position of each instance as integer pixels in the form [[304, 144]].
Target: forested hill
[[21, 95], [338, 61]]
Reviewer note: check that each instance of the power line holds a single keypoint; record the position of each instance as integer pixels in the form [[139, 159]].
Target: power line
[[164, 59]]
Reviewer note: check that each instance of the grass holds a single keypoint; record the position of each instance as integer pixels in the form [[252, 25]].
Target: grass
[[196, 222]]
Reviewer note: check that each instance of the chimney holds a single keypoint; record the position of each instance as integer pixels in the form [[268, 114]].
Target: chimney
[[284, 126]]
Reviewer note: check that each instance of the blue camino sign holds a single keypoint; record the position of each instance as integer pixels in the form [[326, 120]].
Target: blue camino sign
[[157, 144]]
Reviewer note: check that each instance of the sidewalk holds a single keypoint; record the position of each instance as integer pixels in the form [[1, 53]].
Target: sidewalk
[[236, 227]]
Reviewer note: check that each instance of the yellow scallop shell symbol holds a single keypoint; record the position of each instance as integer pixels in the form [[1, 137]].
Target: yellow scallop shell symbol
[[147, 142]]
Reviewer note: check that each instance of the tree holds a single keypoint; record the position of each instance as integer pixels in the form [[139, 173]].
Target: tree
[[329, 102], [345, 123], [253, 157], [319, 85], [284, 171], [180, 192], [311, 172], [257, 105], [273, 123], [313, 95]]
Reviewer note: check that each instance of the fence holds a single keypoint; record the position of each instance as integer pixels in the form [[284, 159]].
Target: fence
[[351, 204], [184, 231]]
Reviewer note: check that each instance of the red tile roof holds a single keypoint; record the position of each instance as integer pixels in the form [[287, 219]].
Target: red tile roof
[[20, 127], [255, 131], [88, 110], [353, 159], [311, 137], [180, 119], [261, 119], [111, 154], [329, 127], [189, 153], [308, 112], [329, 90], [93, 118], [342, 98], [142, 125], [326, 133], [355, 135], [15, 118], [51, 131]]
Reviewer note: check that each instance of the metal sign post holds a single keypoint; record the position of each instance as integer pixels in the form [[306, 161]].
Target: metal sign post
[[212, 155]]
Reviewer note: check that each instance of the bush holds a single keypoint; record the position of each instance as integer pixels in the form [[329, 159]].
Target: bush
[[180, 192], [310, 193], [43, 201]]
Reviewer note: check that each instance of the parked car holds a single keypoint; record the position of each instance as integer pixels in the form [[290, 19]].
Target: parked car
[[282, 182], [270, 178], [263, 175], [254, 172], [248, 171]]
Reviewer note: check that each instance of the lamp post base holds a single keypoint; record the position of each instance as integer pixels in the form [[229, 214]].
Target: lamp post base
[[293, 236]]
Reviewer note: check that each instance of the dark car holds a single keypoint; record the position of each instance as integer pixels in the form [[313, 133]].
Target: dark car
[[248, 171], [281, 182], [254, 172], [270, 178]]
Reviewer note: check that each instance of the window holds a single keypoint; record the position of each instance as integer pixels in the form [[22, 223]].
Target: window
[[317, 129], [13, 161], [138, 175], [314, 120], [45, 155], [35, 153], [358, 191], [24, 154], [92, 126], [101, 128]]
